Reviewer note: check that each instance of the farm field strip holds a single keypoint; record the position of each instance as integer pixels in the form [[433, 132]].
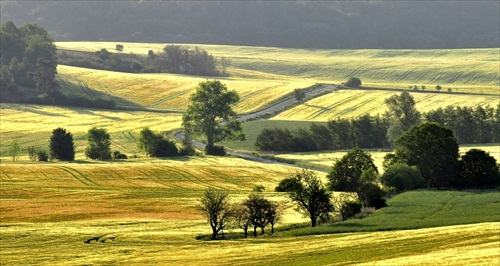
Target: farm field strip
[[353, 103], [460, 69]]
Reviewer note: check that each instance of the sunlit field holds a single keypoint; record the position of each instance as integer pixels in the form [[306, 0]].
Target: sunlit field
[[32, 125], [463, 70], [172, 92], [353, 103]]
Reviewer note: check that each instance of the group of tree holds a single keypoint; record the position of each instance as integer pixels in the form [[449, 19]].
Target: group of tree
[[470, 125], [155, 144], [342, 133], [178, 59], [28, 59], [255, 212], [292, 24]]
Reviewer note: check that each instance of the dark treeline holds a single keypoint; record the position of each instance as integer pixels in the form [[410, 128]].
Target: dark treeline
[[470, 126], [28, 68], [294, 24]]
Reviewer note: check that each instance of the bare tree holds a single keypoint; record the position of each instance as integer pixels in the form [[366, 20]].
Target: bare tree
[[216, 207], [242, 218]]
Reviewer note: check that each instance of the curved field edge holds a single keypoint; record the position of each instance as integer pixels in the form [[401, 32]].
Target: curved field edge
[[473, 70]]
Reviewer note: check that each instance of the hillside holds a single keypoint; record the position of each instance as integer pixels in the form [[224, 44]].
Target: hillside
[[295, 24]]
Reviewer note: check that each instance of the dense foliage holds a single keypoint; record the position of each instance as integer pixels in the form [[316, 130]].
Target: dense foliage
[[99, 144], [61, 145], [478, 170], [155, 144], [296, 24]]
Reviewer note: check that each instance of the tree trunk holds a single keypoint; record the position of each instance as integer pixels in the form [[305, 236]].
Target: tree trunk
[[246, 232], [254, 231], [214, 235], [262, 230], [272, 228], [313, 221]]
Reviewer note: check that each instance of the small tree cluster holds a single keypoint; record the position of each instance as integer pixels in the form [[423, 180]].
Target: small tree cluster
[[99, 144], [37, 154], [155, 144], [256, 211], [353, 82]]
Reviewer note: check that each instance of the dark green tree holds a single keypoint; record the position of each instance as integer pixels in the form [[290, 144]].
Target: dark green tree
[[99, 144], [402, 177], [210, 113], [147, 141], [478, 170], [346, 172], [61, 145], [403, 114], [215, 205], [299, 95], [353, 82], [433, 149], [312, 198]]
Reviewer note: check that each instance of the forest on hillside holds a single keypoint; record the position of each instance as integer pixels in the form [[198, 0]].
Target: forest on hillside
[[292, 24]]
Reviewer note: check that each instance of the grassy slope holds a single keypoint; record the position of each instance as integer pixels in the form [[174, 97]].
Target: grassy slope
[[149, 207]]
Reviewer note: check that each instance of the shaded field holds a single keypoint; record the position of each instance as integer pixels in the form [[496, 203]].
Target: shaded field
[[473, 70]]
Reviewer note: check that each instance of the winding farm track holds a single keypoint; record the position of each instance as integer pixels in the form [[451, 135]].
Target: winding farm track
[[280, 106]]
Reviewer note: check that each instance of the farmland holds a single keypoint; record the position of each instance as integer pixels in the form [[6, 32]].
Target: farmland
[[144, 210]]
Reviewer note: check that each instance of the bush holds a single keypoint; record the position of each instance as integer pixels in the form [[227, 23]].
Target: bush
[[215, 150], [119, 155], [165, 148], [353, 82], [287, 185], [258, 188], [402, 177], [349, 209], [42, 155]]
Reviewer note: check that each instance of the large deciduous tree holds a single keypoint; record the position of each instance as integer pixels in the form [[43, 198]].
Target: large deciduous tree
[[61, 145], [210, 113], [311, 196], [433, 149], [346, 172], [99, 144], [216, 207]]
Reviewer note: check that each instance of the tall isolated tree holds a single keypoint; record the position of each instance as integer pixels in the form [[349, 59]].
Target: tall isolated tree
[[210, 113], [403, 113], [61, 145], [300, 95], [434, 150], [99, 144], [216, 207], [311, 196], [14, 150]]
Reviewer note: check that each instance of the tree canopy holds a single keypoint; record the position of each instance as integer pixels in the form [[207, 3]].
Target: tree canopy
[[61, 145], [433, 149], [346, 173], [210, 114]]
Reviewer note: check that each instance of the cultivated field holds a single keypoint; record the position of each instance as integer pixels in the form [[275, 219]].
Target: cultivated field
[[464, 70]]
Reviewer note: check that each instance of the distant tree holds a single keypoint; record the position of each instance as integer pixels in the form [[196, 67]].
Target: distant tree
[[353, 82], [118, 155], [61, 145], [423, 87], [438, 87], [119, 47], [349, 208], [275, 214], [187, 144], [299, 95], [103, 54], [216, 207], [449, 89], [415, 87], [478, 170], [288, 185], [224, 65], [14, 150], [210, 113], [32, 153], [155, 144], [42, 155], [345, 174], [311, 197], [99, 144], [402, 177], [45, 77], [433, 149], [403, 114], [147, 141]]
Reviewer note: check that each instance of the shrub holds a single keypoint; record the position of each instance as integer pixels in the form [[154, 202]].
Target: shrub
[[258, 188], [215, 150], [119, 155], [42, 155], [349, 209], [165, 148], [402, 177], [353, 82]]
